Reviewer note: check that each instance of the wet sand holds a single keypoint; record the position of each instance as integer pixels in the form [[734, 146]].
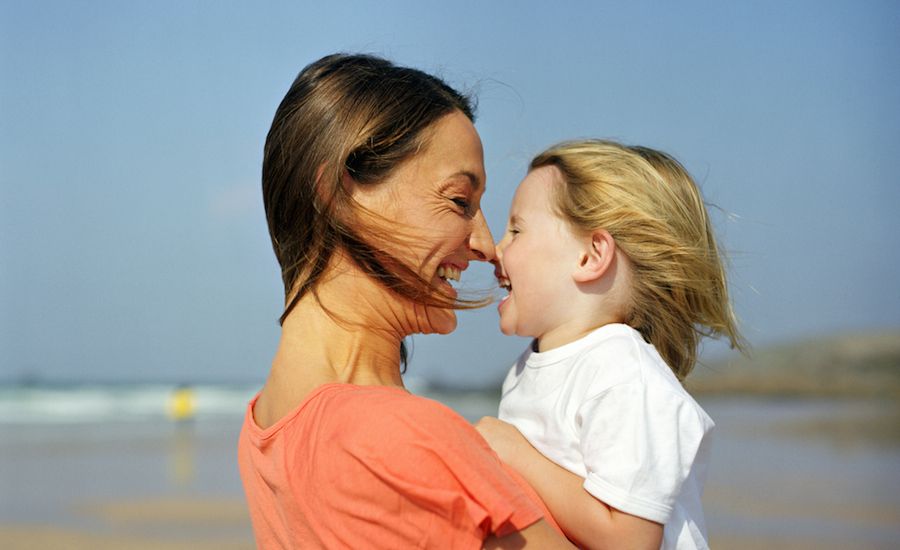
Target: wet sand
[[158, 524], [786, 474], [811, 473], [148, 485]]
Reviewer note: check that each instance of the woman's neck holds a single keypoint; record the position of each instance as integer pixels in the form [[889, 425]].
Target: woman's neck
[[347, 333], [350, 332]]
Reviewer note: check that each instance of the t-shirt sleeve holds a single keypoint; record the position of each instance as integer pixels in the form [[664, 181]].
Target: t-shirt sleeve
[[436, 460], [639, 446]]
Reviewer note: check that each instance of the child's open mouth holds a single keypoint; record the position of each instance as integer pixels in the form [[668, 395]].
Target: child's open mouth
[[504, 284]]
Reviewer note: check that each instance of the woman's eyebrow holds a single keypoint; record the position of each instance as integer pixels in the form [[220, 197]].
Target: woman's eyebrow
[[474, 181]]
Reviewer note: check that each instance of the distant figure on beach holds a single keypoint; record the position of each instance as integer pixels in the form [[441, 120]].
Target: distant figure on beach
[[181, 404], [372, 180], [612, 267]]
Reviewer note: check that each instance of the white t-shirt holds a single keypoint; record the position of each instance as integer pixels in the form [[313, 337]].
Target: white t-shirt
[[607, 408]]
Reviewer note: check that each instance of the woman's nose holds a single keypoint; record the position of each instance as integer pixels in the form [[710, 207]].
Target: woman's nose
[[481, 242]]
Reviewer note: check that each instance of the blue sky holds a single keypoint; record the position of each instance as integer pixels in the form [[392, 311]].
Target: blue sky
[[132, 238]]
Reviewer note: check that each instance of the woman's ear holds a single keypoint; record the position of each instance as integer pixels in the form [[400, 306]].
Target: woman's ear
[[597, 257], [325, 189], [370, 197], [348, 182]]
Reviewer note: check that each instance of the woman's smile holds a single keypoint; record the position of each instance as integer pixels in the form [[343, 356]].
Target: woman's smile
[[431, 205], [445, 274]]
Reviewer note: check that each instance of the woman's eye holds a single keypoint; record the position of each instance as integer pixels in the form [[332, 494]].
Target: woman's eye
[[462, 203]]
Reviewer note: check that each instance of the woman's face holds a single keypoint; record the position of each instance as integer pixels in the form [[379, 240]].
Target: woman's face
[[431, 205]]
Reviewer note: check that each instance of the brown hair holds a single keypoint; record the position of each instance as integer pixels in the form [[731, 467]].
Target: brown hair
[[656, 215], [355, 115]]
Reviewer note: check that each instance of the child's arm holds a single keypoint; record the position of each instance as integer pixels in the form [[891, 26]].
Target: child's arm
[[586, 521], [537, 535]]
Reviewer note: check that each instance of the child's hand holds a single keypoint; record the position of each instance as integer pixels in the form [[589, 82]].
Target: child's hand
[[506, 440]]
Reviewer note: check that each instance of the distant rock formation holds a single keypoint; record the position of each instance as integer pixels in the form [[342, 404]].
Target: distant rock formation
[[862, 365]]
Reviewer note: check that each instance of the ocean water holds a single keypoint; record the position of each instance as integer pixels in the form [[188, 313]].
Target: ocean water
[[79, 404], [785, 473]]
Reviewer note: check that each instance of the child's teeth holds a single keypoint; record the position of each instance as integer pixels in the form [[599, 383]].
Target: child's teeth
[[441, 272]]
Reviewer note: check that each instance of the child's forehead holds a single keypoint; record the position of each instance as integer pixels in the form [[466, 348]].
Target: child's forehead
[[534, 202], [537, 187], [545, 175]]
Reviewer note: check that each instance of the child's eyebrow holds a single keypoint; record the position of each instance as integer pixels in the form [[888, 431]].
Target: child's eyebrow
[[513, 220]]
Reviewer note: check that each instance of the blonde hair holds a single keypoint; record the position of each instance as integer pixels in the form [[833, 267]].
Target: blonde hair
[[654, 211]]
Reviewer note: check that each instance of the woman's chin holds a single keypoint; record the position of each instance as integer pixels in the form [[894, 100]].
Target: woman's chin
[[436, 320], [445, 323]]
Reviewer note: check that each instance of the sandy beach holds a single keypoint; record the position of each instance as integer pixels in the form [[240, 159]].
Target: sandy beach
[[786, 474], [151, 524], [199, 524], [149, 484]]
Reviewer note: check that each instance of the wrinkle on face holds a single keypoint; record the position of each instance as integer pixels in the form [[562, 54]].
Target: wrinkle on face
[[416, 214]]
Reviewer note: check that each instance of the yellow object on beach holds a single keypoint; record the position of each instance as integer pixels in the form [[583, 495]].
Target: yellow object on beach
[[181, 404]]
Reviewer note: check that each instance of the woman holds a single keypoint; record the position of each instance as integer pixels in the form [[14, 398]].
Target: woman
[[372, 181]]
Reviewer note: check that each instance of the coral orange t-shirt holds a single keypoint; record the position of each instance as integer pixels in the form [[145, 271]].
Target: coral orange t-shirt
[[376, 467]]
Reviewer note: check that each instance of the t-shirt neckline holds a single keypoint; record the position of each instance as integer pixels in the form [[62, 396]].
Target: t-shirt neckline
[[540, 359], [264, 433]]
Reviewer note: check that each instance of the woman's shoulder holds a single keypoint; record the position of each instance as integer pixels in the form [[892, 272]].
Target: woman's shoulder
[[413, 436], [386, 415], [398, 409], [379, 443]]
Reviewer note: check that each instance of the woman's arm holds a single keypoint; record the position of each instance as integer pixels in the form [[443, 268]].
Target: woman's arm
[[588, 522]]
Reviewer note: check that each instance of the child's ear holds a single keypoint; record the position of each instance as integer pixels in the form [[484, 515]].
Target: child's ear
[[596, 258]]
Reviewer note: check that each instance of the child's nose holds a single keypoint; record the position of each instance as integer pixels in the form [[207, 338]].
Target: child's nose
[[498, 262], [499, 247]]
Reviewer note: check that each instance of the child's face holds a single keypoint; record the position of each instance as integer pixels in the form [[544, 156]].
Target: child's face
[[538, 255]]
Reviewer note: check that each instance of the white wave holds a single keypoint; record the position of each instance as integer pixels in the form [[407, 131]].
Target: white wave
[[27, 404]]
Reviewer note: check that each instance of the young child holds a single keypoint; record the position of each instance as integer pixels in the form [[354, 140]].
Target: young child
[[612, 267]]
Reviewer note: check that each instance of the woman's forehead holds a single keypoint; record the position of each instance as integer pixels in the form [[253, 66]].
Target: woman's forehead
[[452, 151]]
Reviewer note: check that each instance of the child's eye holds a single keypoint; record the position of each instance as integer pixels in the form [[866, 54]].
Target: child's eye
[[513, 231]]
